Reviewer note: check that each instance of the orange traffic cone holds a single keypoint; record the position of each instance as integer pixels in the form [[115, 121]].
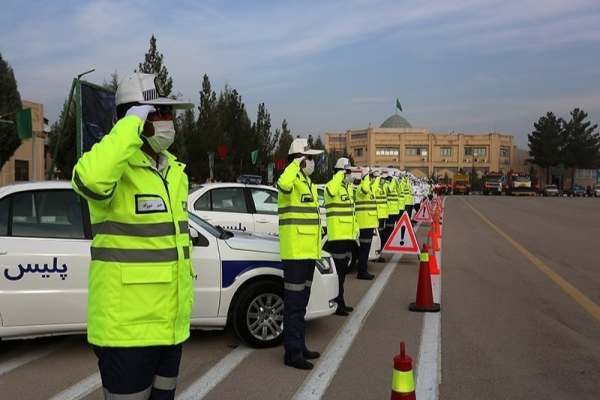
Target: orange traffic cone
[[433, 265], [424, 302], [434, 240], [403, 381]]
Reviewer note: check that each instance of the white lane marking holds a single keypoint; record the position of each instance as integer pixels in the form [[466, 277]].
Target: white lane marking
[[429, 368], [316, 383], [216, 374], [80, 389], [28, 357]]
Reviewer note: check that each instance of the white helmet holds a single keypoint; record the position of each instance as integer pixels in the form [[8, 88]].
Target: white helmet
[[342, 163], [300, 146], [140, 88]]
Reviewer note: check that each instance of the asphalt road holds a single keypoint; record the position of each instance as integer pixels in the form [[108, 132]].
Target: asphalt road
[[508, 331]]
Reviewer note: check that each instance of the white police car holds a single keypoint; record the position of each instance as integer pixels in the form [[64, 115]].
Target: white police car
[[45, 253], [248, 208]]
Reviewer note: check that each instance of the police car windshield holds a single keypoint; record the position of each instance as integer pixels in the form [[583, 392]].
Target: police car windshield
[[205, 225]]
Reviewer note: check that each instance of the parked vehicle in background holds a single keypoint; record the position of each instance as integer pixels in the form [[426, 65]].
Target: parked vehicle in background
[[576, 191], [492, 183], [235, 206], [520, 185], [250, 179], [550, 191], [596, 191], [461, 184]]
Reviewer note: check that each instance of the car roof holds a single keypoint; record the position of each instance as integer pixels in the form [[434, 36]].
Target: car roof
[[25, 186], [207, 186]]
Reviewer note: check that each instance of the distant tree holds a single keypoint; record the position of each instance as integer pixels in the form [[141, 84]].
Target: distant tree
[[153, 64], [208, 134], [581, 143], [113, 83], [285, 141], [235, 131], [10, 103], [186, 129], [546, 142], [62, 142], [267, 140]]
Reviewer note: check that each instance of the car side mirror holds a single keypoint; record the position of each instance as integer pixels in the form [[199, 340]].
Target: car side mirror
[[198, 240]]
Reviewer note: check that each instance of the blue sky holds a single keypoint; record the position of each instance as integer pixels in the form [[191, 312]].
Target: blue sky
[[456, 65]]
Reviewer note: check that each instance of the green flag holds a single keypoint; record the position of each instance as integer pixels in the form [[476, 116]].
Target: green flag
[[24, 128], [398, 105], [254, 156]]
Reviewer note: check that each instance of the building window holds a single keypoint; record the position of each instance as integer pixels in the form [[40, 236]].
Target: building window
[[585, 173], [475, 151], [416, 151], [358, 151], [504, 152], [21, 170], [446, 152], [387, 151]]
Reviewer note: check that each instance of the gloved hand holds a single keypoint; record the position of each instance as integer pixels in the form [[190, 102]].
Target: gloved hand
[[300, 161], [140, 111]]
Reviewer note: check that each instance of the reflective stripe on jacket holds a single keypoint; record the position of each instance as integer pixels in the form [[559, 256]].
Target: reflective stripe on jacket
[[299, 218], [380, 196], [140, 277], [339, 206], [392, 197], [366, 205]]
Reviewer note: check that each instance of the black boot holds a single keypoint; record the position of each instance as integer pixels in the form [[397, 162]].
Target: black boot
[[300, 363]]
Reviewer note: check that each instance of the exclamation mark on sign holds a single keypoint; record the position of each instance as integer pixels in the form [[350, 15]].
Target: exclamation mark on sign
[[402, 232]]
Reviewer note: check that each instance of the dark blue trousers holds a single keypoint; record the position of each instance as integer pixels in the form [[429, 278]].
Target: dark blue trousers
[[364, 239], [297, 280]]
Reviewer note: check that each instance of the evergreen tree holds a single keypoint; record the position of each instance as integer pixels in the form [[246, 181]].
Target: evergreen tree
[[546, 142], [185, 125], [153, 64], [582, 144], [285, 141], [265, 138], [235, 129], [207, 134], [10, 103], [113, 83], [64, 141]]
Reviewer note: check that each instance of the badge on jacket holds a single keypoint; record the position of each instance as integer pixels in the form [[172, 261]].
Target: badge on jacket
[[306, 198], [149, 203]]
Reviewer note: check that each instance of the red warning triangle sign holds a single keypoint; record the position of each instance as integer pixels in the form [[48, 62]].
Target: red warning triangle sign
[[402, 239], [424, 214]]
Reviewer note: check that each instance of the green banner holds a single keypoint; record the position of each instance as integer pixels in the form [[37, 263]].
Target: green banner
[[24, 127], [254, 157]]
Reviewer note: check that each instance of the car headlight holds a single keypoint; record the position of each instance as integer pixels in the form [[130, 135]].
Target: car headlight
[[324, 265]]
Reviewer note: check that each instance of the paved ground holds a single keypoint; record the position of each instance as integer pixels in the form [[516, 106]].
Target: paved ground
[[508, 330]]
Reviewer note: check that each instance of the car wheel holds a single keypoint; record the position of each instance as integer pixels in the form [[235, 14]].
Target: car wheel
[[258, 314]]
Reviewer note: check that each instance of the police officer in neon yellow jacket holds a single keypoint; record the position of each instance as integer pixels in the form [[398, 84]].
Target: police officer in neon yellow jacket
[[140, 277], [300, 246], [341, 225], [366, 215]]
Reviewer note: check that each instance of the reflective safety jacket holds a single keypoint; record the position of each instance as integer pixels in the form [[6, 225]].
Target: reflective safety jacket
[[366, 205], [140, 277], [398, 189], [381, 197], [299, 218], [392, 197], [406, 195], [411, 192], [339, 206]]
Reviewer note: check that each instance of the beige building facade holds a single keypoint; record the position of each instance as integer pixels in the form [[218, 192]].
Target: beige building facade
[[27, 164], [397, 144]]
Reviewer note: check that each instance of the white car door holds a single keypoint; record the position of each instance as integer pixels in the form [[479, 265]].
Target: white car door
[[265, 215], [44, 258], [207, 266], [226, 207]]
